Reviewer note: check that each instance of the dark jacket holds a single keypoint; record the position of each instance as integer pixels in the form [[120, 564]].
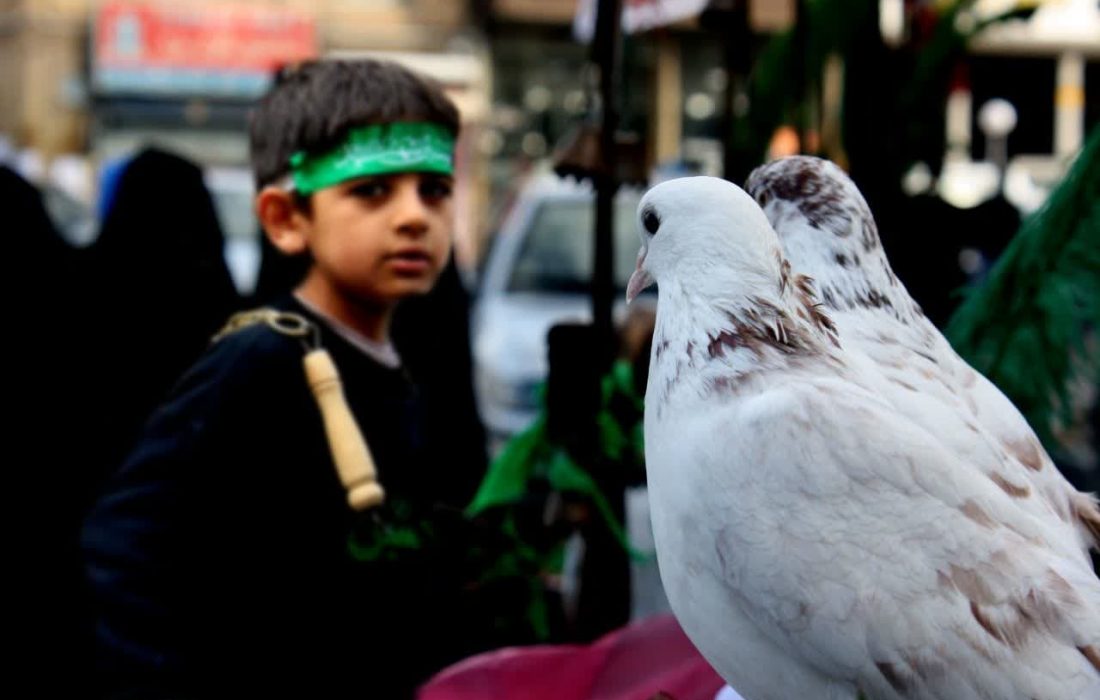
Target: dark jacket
[[48, 481], [225, 561], [161, 288]]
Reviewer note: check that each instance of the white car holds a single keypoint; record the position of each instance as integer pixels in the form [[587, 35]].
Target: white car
[[537, 275], [232, 190]]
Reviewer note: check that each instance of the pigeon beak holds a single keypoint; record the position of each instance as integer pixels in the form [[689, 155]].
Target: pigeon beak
[[639, 280]]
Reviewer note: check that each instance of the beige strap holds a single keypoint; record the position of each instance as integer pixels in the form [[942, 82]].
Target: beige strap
[[349, 449]]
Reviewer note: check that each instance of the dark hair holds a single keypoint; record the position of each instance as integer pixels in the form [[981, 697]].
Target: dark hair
[[313, 104]]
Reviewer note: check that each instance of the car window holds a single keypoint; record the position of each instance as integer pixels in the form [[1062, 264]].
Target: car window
[[74, 221], [234, 210], [557, 254]]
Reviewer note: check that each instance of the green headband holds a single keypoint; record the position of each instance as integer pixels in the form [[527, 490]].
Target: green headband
[[378, 149]]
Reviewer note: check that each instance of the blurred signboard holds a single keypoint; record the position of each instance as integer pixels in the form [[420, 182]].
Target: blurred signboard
[[212, 49], [544, 11], [638, 15]]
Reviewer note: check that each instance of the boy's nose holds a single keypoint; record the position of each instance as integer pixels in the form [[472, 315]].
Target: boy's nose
[[410, 211]]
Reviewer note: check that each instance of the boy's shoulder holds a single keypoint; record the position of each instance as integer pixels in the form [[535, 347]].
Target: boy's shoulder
[[254, 350], [257, 345], [250, 372]]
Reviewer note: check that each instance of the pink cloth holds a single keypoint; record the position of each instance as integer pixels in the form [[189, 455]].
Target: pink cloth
[[633, 663]]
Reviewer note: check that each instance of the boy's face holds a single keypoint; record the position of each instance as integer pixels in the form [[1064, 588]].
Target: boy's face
[[380, 239]]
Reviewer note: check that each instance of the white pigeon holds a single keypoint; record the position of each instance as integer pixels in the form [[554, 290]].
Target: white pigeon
[[828, 233], [814, 541]]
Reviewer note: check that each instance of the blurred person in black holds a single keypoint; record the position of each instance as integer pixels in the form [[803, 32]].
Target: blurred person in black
[[894, 106], [50, 482], [161, 288], [938, 249]]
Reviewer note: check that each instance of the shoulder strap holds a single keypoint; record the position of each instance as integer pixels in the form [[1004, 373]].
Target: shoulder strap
[[349, 449]]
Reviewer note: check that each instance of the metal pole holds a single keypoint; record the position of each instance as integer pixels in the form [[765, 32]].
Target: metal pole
[[737, 55], [801, 72], [605, 53]]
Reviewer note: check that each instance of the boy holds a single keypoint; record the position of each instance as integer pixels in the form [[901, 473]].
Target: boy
[[224, 558]]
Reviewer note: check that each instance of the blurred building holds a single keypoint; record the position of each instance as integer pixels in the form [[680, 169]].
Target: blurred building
[[103, 77], [672, 95], [519, 69], [69, 67]]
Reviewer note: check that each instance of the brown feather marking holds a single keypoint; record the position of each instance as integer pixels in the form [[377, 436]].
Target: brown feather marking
[[925, 668], [1027, 452], [1014, 633], [985, 622], [805, 285], [718, 345], [1092, 654], [1010, 488], [873, 300], [721, 384], [944, 581], [1060, 586], [807, 300], [784, 273], [971, 585], [1086, 511], [934, 361], [905, 385], [973, 511], [1043, 608], [661, 347], [895, 679], [766, 325]]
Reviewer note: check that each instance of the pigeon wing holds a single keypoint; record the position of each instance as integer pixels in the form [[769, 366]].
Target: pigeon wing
[[873, 554]]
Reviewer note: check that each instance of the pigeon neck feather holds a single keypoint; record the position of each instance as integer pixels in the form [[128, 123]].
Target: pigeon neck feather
[[740, 333]]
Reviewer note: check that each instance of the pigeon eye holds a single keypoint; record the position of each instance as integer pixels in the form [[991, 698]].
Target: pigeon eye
[[651, 221], [762, 197]]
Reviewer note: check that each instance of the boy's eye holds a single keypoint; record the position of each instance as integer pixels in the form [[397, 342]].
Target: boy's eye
[[369, 188], [436, 188]]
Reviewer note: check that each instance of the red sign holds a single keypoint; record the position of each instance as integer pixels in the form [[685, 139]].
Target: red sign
[[184, 41]]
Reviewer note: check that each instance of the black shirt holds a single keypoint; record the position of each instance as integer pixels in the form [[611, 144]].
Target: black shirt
[[223, 556]]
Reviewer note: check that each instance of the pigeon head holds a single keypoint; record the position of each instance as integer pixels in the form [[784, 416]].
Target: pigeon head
[[727, 299], [705, 237], [827, 232]]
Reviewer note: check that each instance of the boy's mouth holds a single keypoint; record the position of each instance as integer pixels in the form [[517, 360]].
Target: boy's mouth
[[410, 261]]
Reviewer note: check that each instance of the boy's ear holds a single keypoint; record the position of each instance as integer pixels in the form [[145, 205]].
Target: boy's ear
[[285, 225]]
